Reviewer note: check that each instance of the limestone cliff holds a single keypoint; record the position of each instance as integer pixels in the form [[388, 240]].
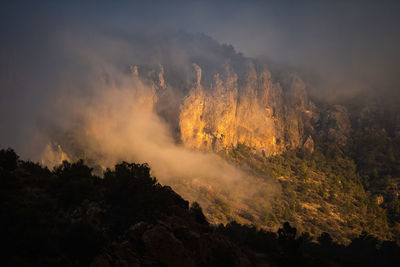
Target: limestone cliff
[[254, 110]]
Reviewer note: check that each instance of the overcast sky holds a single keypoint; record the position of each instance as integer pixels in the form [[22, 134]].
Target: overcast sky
[[354, 39]]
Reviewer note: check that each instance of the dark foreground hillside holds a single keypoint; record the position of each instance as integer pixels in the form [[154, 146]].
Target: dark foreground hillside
[[69, 217]]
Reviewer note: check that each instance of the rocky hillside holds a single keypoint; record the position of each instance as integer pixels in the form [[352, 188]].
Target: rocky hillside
[[325, 158], [250, 119]]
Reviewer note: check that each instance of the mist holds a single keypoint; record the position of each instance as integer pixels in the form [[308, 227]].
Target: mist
[[344, 49]]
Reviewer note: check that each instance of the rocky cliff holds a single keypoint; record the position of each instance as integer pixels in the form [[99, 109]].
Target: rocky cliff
[[250, 108]]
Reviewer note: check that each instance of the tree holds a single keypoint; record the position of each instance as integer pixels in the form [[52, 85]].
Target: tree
[[325, 240], [8, 159]]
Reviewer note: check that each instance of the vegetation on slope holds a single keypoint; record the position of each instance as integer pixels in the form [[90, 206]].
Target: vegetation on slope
[[342, 190], [70, 217]]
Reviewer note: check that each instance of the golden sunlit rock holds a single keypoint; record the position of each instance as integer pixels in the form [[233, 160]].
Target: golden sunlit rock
[[250, 112]]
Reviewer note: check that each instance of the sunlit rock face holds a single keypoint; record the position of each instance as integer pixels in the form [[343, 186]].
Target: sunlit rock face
[[254, 110]]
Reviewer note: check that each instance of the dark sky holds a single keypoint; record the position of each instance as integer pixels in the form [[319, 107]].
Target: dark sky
[[355, 40], [350, 46]]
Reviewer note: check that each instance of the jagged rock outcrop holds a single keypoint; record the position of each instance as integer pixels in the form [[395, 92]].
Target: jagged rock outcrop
[[252, 110], [233, 105]]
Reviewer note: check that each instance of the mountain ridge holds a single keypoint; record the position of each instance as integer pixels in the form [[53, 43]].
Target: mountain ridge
[[309, 153]]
